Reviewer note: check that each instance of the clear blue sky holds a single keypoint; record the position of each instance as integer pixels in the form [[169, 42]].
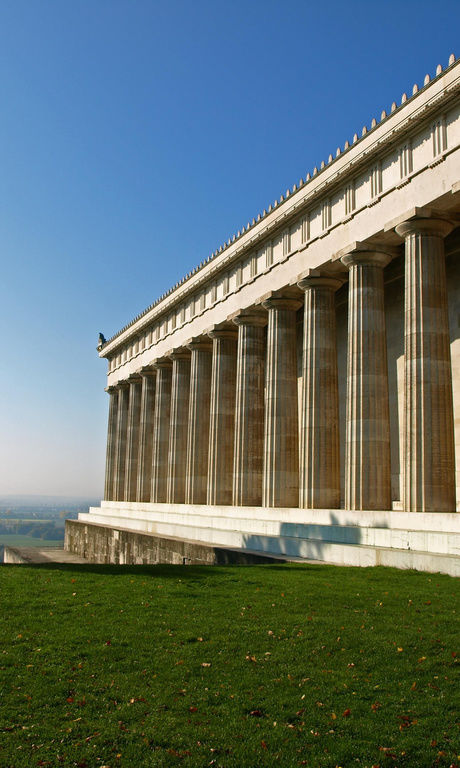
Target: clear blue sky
[[136, 137]]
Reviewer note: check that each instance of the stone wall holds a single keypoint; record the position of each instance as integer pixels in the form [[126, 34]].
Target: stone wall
[[105, 544]]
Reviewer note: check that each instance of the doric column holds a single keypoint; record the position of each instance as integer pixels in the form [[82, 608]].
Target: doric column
[[132, 438], [120, 447], [178, 429], [367, 454], [319, 485], [198, 430], [144, 464], [160, 442], [429, 456], [281, 435], [222, 415], [111, 444], [249, 409]]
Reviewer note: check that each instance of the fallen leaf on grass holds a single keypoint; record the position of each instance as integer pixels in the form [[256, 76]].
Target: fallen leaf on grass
[[388, 752], [205, 663], [346, 713]]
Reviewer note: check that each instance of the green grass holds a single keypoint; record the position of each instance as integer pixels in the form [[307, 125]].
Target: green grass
[[286, 665], [18, 540]]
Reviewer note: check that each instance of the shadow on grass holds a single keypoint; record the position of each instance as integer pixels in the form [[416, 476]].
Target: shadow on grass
[[160, 570]]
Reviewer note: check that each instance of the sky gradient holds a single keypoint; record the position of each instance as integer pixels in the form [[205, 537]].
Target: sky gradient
[[135, 138]]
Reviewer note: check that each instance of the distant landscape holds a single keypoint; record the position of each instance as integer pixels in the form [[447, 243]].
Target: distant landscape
[[38, 521]]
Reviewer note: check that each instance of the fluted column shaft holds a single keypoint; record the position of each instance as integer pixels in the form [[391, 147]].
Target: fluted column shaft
[[222, 416], [161, 431], [249, 410], [178, 429], [120, 447], [144, 471], [281, 435], [367, 454], [198, 431], [319, 485], [132, 439], [429, 454], [111, 444]]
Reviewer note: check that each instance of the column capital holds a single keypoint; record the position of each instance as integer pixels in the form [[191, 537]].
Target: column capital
[[111, 390], [223, 331], [255, 317], [181, 353], [162, 362], [432, 226], [147, 372], [366, 254], [308, 280], [423, 221], [200, 342], [282, 300]]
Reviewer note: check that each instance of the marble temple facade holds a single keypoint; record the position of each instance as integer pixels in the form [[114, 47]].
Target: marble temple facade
[[303, 382]]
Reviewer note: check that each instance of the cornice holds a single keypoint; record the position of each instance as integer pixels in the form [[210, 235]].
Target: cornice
[[375, 141]]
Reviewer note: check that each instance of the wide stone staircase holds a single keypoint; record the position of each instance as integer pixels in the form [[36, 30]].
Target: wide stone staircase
[[422, 541]]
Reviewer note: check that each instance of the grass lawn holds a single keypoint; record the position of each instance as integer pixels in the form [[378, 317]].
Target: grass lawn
[[286, 665]]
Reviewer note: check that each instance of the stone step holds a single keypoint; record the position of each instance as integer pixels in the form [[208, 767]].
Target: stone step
[[291, 548], [173, 522], [282, 544], [419, 521]]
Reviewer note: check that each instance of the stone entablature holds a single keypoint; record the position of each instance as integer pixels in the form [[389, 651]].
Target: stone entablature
[[352, 197]]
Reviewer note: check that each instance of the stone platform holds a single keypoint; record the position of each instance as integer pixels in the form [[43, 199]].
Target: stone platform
[[104, 544], [423, 541], [40, 555]]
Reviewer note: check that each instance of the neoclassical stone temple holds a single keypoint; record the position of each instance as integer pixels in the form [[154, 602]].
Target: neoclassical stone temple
[[298, 393]]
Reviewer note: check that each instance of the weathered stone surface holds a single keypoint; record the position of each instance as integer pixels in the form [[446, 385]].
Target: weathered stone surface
[[222, 416], [144, 474], [178, 430], [104, 544], [198, 430], [429, 461], [249, 409], [281, 436], [161, 431], [367, 461], [132, 439], [319, 434], [109, 491], [120, 447]]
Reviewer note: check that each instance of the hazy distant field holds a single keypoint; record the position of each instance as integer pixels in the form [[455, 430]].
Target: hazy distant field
[[37, 521], [16, 540]]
